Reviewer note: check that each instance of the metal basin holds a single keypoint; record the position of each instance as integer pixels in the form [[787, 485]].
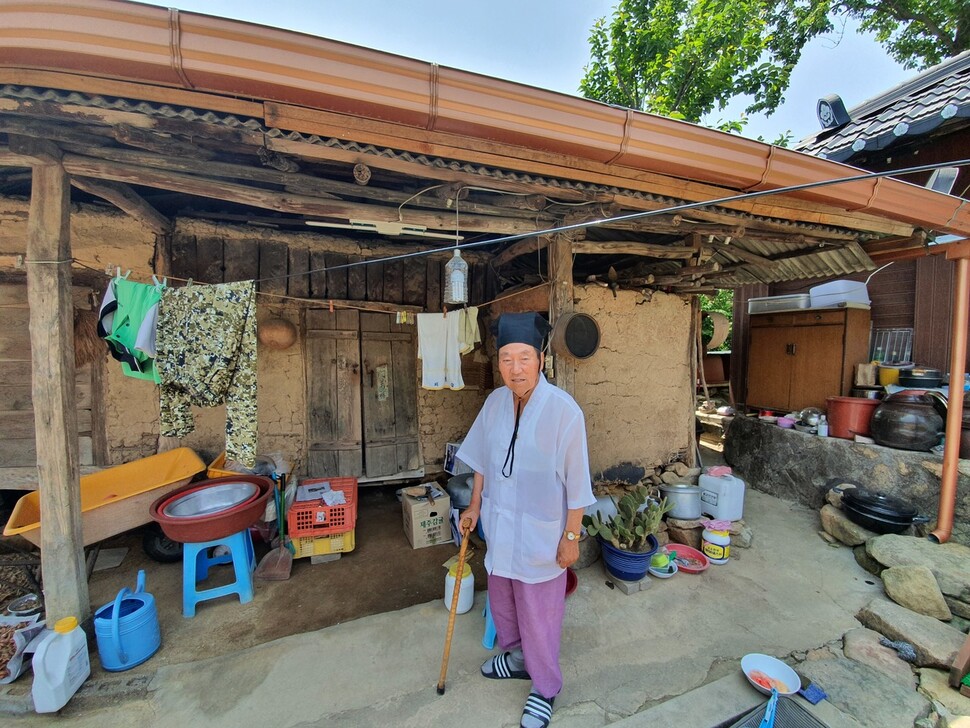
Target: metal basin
[[211, 500], [212, 525]]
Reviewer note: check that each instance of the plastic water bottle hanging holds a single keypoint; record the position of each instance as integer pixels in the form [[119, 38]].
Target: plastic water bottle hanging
[[456, 280]]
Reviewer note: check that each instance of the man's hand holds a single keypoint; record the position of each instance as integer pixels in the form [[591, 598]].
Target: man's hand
[[568, 552]]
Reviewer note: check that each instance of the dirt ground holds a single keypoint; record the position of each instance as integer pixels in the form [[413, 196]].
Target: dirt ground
[[382, 574]]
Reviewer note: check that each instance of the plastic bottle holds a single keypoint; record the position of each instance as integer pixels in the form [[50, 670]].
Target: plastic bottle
[[823, 427], [466, 595], [60, 665], [716, 545]]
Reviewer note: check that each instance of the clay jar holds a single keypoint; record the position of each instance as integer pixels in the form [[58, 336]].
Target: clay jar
[[907, 420]]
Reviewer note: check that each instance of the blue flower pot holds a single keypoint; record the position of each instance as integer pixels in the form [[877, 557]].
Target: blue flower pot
[[628, 565]]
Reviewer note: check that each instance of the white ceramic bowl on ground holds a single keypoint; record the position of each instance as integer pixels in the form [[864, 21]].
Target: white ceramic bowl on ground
[[771, 670]]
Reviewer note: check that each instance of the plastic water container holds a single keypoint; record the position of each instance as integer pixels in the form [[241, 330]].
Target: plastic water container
[[722, 497], [716, 545], [60, 665], [466, 596]]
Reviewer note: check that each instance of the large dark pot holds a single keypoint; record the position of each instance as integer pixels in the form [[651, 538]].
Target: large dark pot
[[876, 511], [907, 420], [628, 565]]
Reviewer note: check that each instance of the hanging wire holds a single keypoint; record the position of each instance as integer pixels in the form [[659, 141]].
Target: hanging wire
[[638, 216]]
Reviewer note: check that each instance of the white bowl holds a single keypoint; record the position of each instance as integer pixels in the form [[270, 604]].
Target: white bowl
[[769, 419], [666, 572], [756, 665]]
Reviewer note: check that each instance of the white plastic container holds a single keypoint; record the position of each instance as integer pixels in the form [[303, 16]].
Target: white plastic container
[[839, 293], [466, 595], [60, 665], [722, 497], [716, 545]]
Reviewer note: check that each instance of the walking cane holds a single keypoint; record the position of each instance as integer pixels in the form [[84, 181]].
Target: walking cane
[[466, 527]]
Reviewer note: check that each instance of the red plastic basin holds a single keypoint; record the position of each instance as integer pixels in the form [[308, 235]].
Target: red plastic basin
[[217, 525]]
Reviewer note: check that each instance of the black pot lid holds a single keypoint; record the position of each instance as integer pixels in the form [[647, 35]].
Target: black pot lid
[[878, 503]]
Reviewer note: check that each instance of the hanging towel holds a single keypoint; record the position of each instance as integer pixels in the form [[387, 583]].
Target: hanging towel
[[439, 351], [123, 319], [468, 332], [206, 342]]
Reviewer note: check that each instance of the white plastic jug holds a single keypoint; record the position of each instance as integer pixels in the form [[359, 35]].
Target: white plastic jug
[[722, 497], [60, 665], [466, 595]]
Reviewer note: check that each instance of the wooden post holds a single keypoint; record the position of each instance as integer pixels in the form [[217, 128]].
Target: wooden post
[[560, 250], [55, 410]]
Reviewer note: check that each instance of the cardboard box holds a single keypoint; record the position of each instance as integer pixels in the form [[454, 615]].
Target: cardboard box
[[426, 524]]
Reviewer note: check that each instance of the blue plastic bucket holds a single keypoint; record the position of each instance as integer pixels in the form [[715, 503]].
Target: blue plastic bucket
[[127, 629]]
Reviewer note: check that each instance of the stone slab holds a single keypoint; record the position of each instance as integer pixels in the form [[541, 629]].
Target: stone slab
[[949, 562], [935, 685], [935, 642], [862, 645], [837, 524], [866, 694]]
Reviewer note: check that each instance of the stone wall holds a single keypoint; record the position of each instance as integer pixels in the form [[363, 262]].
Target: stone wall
[[797, 466], [636, 390]]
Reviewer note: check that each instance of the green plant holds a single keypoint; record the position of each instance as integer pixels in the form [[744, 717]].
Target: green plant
[[630, 528]]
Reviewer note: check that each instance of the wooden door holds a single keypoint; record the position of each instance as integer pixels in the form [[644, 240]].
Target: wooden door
[[816, 365], [333, 396], [389, 396], [769, 367]]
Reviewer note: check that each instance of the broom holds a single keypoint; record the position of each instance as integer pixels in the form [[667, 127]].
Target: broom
[[276, 565]]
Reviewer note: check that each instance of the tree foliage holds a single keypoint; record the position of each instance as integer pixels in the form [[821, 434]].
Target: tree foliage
[[686, 58]]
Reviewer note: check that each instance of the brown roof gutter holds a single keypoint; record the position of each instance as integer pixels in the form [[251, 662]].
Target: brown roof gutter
[[148, 44]]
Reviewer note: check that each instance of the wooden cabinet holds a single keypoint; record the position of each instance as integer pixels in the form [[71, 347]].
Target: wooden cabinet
[[796, 359]]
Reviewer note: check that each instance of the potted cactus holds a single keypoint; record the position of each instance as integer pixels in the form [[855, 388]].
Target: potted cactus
[[627, 538]]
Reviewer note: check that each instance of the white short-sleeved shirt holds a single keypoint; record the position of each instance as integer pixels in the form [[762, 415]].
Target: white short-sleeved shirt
[[523, 516]]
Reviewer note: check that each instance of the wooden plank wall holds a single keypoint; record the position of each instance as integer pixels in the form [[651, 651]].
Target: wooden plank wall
[[410, 281], [17, 439]]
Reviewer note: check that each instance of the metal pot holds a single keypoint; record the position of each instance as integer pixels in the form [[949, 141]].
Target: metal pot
[[877, 511], [867, 392], [921, 377], [685, 498]]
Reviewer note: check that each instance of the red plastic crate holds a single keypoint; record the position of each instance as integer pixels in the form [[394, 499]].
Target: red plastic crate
[[314, 518]]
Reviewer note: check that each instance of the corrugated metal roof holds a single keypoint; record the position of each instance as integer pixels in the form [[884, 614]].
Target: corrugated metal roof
[[814, 261]]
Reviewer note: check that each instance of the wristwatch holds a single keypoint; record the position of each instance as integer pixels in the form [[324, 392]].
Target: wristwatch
[[570, 535]]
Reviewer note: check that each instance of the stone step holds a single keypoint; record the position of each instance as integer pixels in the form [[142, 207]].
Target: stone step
[[721, 703]]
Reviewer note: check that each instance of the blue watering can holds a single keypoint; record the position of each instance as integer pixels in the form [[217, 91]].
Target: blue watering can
[[127, 629]]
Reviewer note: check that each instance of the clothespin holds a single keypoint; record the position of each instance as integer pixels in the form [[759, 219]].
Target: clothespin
[[331, 305], [444, 311], [397, 317], [118, 273], [159, 284]]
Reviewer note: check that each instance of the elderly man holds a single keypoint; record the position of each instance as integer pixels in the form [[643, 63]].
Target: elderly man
[[528, 450]]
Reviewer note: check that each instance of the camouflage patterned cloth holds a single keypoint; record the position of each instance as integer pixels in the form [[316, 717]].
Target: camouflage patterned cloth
[[206, 355]]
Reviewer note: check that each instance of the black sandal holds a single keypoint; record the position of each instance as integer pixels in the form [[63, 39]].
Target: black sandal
[[539, 708], [498, 669]]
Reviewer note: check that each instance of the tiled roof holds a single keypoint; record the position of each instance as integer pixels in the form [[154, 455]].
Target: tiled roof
[[911, 109]]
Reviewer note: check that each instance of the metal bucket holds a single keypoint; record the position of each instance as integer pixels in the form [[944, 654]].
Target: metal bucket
[[127, 630]]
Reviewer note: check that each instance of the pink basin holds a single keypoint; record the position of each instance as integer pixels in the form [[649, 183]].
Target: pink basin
[[215, 525]]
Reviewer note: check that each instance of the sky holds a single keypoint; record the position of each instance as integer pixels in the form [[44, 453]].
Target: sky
[[544, 43]]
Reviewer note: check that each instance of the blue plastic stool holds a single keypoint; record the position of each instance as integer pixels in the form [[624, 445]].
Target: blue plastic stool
[[488, 640], [195, 568]]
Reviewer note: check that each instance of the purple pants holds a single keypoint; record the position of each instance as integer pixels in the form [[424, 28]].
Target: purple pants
[[529, 617]]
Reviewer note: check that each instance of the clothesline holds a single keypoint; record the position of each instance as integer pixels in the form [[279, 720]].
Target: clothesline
[[343, 305]]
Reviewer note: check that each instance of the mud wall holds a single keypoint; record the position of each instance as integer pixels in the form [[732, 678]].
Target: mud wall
[[105, 240], [636, 390]]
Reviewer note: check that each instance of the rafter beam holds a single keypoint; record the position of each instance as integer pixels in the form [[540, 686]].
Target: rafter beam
[[127, 200], [670, 252], [40, 151], [515, 250], [285, 202], [9, 158]]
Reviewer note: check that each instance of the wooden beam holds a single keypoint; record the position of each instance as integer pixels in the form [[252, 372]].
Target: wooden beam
[[743, 254], [672, 252], [561, 303], [10, 158], [517, 249], [283, 202], [126, 199], [40, 150], [55, 411], [145, 139]]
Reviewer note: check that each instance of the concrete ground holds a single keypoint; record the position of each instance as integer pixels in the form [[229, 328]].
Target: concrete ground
[[675, 647]]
